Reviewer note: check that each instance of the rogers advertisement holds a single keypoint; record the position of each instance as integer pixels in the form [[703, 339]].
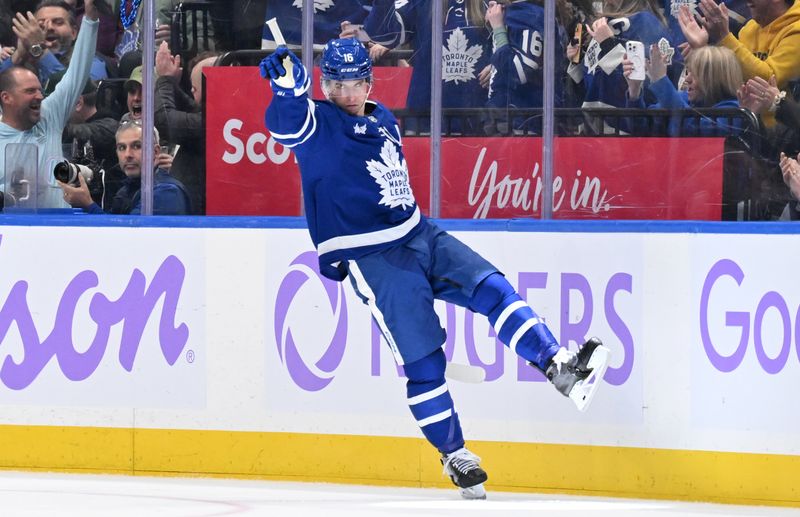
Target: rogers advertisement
[[248, 173]]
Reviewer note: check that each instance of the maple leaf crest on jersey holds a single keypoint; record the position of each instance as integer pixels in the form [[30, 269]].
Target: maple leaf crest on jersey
[[459, 58], [391, 175]]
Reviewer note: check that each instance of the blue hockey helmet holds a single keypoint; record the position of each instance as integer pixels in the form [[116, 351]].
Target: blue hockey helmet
[[345, 60]]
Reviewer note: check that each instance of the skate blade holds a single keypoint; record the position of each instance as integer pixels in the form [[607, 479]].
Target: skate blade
[[583, 391], [473, 492]]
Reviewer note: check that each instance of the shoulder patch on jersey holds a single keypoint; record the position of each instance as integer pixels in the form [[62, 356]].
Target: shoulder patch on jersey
[[360, 129]]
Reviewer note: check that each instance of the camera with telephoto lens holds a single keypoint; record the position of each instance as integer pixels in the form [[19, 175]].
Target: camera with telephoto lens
[[67, 172]]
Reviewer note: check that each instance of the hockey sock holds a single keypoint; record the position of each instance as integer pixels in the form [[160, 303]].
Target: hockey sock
[[431, 404], [514, 322]]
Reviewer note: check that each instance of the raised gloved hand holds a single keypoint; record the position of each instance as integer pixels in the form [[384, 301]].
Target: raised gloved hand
[[286, 71], [272, 66]]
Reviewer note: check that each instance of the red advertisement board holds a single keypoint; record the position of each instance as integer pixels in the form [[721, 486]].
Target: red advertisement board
[[594, 178]]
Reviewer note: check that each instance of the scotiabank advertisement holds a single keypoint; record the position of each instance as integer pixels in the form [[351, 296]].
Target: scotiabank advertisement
[[248, 173]]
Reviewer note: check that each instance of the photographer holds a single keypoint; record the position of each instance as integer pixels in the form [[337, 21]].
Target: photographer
[[169, 195]]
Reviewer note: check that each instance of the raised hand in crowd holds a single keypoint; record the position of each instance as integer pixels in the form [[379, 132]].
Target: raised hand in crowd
[[168, 65], [494, 15], [164, 160], [715, 19], [29, 34], [696, 35], [656, 68], [758, 95], [600, 30], [791, 174], [90, 10]]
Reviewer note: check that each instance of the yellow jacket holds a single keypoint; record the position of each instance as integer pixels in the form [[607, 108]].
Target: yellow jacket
[[770, 50]]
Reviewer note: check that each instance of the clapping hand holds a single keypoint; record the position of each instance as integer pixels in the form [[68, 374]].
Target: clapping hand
[[696, 35], [168, 65], [791, 174]]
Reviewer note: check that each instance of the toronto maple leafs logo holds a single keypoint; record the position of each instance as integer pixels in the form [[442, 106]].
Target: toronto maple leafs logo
[[391, 175], [459, 58], [360, 129], [319, 5]]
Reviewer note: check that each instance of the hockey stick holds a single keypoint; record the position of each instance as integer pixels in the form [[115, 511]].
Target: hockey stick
[[465, 373], [286, 81]]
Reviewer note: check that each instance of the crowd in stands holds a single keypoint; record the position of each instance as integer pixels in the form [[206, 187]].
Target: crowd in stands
[[70, 71]]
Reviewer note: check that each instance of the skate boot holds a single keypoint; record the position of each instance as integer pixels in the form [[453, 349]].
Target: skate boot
[[465, 471], [578, 375]]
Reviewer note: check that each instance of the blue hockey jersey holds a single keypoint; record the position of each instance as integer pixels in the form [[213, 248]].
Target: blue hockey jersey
[[605, 83], [377, 16], [517, 78], [465, 52], [356, 189]]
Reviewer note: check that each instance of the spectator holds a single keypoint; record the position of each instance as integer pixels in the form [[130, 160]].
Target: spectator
[[739, 14], [135, 100], [465, 60], [29, 118], [713, 76], [180, 119], [572, 17], [517, 62], [169, 195], [49, 38], [621, 21], [767, 45], [762, 97], [379, 21], [790, 168], [90, 133]]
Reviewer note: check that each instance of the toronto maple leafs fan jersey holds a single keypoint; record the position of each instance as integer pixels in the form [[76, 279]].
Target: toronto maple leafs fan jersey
[[465, 52], [356, 189], [377, 16], [516, 79], [605, 83]]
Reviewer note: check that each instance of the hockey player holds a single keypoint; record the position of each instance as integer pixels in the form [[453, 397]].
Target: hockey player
[[365, 223]]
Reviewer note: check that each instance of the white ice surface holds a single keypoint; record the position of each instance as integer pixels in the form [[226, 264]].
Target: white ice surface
[[63, 495]]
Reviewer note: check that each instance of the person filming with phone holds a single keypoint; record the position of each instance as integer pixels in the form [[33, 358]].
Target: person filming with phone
[[713, 76]]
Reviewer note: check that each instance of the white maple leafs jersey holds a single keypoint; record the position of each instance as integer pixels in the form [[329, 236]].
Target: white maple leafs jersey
[[357, 193]]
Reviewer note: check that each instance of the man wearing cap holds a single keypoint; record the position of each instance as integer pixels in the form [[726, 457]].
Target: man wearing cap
[[133, 87], [29, 118]]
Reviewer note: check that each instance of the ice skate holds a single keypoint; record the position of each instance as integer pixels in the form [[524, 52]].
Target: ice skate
[[465, 471], [578, 375]]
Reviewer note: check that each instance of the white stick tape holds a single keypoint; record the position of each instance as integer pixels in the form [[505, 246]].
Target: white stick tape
[[272, 23]]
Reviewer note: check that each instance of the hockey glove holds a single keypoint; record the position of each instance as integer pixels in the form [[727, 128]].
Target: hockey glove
[[286, 71]]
